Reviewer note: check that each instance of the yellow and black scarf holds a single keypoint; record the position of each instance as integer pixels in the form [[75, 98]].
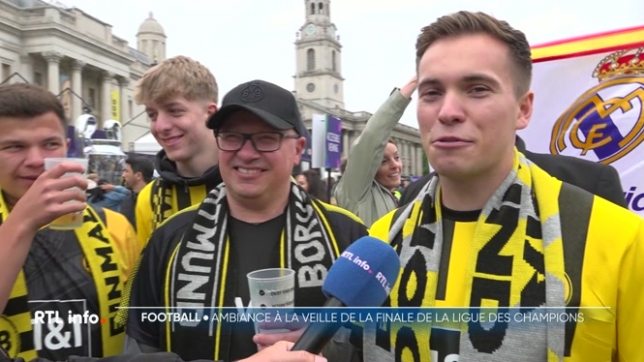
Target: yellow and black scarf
[[16, 332], [307, 245], [521, 219]]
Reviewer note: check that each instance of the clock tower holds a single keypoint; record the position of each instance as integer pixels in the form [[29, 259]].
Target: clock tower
[[318, 68]]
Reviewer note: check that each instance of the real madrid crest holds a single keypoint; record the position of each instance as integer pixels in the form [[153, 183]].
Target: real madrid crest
[[608, 119]]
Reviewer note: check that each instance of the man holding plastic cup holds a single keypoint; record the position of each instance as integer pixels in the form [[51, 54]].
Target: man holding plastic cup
[[259, 218], [62, 263]]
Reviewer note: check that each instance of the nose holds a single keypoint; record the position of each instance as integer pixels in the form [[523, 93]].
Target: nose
[[35, 158], [247, 151], [162, 123], [451, 110]]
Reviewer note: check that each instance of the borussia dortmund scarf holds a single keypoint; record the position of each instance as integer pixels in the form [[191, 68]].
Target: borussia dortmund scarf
[[516, 262], [16, 333], [307, 245]]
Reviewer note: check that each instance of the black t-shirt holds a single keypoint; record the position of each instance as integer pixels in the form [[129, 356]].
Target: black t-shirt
[[253, 247], [251, 244]]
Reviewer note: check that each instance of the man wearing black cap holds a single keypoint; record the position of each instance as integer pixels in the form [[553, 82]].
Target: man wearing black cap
[[258, 218]]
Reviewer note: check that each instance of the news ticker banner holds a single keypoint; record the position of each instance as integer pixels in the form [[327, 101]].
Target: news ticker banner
[[326, 145], [589, 103], [487, 317]]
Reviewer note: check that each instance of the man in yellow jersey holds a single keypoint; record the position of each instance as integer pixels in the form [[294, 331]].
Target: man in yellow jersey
[[179, 95], [258, 218], [59, 289], [494, 231]]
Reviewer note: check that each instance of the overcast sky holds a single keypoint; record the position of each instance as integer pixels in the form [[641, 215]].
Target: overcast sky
[[240, 40]]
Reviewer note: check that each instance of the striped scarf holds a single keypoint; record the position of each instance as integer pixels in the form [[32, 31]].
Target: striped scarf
[[103, 260], [201, 262], [521, 219]]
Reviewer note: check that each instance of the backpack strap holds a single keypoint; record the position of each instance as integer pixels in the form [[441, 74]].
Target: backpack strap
[[575, 209]]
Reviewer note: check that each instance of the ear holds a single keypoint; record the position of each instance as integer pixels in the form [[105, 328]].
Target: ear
[[300, 146], [212, 108], [525, 110]]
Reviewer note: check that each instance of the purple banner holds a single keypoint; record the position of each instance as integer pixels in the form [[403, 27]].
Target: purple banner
[[333, 142]]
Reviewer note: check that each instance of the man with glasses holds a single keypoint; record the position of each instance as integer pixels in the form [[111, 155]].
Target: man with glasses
[[258, 218]]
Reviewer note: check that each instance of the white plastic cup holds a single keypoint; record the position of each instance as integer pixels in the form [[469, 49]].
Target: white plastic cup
[[73, 220], [271, 288]]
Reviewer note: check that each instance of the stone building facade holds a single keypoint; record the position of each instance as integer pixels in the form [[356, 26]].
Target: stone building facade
[[77, 57]]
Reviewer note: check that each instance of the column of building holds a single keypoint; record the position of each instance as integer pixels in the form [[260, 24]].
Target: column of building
[[412, 159], [53, 70], [407, 159], [77, 88], [106, 96], [417, 170], [419, 160], [123, 83], [345, 143]]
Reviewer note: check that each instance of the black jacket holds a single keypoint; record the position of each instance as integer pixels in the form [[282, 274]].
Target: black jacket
[[598, 179]]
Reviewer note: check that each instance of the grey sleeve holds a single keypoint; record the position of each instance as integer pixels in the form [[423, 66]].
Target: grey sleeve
[[365, 156]]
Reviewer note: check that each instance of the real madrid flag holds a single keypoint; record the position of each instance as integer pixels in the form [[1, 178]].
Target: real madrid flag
[[589, 103]]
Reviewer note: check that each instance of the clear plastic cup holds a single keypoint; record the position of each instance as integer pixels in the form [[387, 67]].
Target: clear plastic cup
[[73, 220], [272, 288]]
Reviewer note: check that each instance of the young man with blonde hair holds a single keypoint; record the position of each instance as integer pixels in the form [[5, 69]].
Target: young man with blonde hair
[[492, 232], [179, 95]]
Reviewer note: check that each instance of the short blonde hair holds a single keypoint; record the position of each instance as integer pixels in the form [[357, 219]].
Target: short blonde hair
[[177, 76]]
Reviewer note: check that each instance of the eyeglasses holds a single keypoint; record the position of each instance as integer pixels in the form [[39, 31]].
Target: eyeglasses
[[262, 141]]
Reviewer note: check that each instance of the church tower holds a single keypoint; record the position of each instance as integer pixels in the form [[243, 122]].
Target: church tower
[[318, 74]]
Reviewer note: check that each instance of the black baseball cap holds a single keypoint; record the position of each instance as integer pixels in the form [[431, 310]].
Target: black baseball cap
[[272, 103]]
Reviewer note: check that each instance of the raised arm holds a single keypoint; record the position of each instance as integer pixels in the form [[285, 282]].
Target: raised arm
[[365, 156]]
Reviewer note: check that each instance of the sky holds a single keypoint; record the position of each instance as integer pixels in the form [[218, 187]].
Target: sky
[[241, 40]]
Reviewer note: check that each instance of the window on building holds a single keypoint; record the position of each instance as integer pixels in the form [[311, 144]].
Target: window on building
[[333, 67], [310, 59], [130, 107], [91, 97], [321, 9], [312, 8], [6, 71], [38, 78]]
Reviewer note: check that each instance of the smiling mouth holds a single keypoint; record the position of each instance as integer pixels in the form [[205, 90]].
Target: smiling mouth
[[171, 140], [248, 171]]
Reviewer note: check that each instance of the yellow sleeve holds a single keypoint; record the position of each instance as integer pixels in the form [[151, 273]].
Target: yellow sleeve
[[380, 228], [144, 215], [125, 241], [630, 300]]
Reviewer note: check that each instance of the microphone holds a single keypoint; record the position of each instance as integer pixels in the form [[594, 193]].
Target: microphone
[[362, 276]]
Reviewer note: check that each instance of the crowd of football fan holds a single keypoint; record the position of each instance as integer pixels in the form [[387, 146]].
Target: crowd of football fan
[[492, 223]]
